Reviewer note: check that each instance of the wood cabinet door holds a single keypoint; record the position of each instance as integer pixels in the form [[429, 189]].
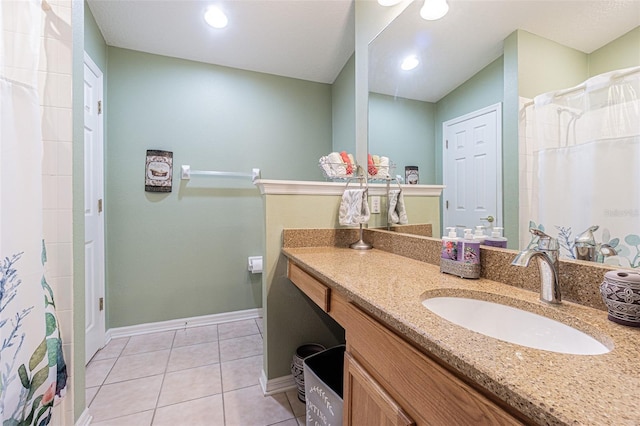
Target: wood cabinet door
[[366, 402]]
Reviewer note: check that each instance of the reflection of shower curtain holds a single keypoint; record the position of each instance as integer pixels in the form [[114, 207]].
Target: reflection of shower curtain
[[581, 164], [32, 369]]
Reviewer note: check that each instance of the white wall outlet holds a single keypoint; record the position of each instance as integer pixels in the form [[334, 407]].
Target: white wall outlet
[[375, 204]]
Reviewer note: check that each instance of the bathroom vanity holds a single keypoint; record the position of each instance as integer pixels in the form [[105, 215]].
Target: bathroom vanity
[[406, 365]]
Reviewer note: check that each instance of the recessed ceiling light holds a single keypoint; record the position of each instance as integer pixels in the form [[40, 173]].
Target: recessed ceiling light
[[388, 2], [434, 9], [409, 63], [215, 17]]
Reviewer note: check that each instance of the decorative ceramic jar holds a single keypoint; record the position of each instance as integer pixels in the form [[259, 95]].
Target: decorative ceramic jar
[[297, 365], [620, 291]]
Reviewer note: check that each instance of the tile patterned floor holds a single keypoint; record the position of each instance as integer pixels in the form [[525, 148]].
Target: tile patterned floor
[[202, 376]]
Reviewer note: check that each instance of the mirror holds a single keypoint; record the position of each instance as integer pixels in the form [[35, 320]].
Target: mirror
[[467, 63]]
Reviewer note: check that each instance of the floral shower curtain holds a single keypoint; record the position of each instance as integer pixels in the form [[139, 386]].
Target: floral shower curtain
[[581, 165], [32, 369]]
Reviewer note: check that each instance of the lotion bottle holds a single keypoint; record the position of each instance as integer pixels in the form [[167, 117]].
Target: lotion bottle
[[496, 239], [468, 248], [479, 235], [450, 245]]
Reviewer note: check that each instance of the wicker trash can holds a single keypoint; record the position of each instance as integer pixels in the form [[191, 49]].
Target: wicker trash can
[[297, 364]]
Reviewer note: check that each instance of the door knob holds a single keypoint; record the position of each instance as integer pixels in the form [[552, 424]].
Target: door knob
[[489, 219]]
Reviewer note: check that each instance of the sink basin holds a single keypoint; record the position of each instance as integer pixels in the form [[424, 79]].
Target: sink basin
[[514, 325]]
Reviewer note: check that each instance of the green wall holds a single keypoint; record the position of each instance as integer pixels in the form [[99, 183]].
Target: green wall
[[184, 253], [403, 130], [94, 43], [624, 52], [343, 109], [544, 65]]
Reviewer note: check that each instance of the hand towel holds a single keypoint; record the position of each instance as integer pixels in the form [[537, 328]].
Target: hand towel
[[397, 212], [354, 207]]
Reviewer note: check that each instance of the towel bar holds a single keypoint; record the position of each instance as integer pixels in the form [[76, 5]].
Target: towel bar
[[187, 173]]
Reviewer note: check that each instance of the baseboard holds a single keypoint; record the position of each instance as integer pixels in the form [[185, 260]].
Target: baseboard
[[85, 418], [177, 324], [277, 385]]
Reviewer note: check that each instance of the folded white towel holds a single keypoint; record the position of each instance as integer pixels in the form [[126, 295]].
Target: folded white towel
[[338, 166], [354, 207], [326, 167], [383, 169], [397, 212]]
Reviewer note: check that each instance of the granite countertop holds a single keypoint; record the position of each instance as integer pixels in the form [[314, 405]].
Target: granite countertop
[[547, 387]]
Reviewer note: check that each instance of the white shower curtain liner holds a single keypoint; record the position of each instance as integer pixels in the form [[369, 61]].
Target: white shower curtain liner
[[581, 164], [32, 368]]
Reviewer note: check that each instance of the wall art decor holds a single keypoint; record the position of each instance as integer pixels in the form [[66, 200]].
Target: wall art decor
[[158, 171]]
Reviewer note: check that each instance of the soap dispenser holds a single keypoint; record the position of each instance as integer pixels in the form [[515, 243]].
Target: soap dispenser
[[469, 248], [496, 239], [479, 234], [450, 245]]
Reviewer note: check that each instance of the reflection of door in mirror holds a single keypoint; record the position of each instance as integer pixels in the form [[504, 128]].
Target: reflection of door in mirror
[[472, 168]]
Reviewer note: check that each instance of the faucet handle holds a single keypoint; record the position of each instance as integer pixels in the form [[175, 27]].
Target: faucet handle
[[545, 242], [587, 237]]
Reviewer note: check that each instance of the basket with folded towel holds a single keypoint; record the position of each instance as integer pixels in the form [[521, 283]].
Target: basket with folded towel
[[338, 165]]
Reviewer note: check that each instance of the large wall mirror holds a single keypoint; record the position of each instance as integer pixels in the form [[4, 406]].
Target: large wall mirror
[[484, 53]]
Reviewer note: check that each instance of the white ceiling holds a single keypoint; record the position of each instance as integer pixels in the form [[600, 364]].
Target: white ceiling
[[305, 39], [471, 36], [313, 39]]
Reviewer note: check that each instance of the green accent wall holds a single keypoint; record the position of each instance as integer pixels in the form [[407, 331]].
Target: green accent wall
[[623, 52], [94, 43], [544, 65], [184, 253], [404, 130], [343, 109]]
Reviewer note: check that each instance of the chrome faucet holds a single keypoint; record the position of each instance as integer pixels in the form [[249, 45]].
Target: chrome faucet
[[587, 248], [585, 245], [547, 256]]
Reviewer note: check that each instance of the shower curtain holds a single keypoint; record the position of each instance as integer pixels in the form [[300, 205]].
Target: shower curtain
[[32, 369], [581, 165]]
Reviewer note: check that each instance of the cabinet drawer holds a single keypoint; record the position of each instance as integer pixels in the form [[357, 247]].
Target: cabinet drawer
[[314, 289], [427, 391]]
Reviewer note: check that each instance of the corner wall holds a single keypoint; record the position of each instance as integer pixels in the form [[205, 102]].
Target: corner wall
[[184, 253]]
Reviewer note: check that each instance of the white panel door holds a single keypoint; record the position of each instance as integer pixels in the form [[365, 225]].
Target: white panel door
[[472, 169], [93, 206]]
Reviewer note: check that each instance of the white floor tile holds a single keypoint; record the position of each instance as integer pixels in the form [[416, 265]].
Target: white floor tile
[[201, 376], [241, 373], [124, 398], [200, 412], [196, 335], [194, 383], [138, 419], [249, 407], [235, 329], [97, 371], [113, 349], [89, 394], [193, 356], [140, 365], [149, 343], [241, 347]]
